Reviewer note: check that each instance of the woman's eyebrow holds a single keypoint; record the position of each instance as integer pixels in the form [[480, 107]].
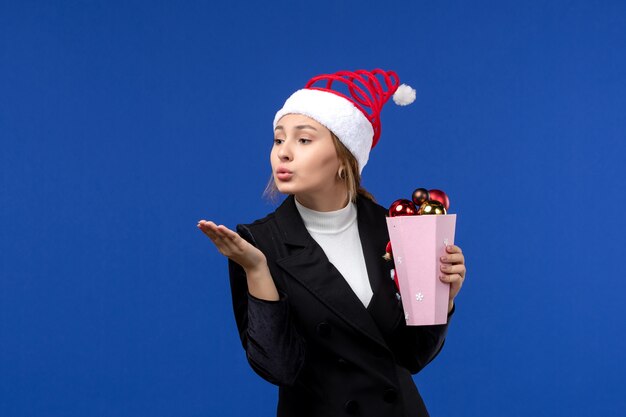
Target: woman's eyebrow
[[305, 127], [299, 127]]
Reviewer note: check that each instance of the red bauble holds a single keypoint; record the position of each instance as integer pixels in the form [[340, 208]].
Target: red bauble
[[388, 254], [441, 197], [402, 207], [419, 196]]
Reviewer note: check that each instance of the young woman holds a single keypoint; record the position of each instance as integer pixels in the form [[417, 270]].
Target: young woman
[[317, 311]]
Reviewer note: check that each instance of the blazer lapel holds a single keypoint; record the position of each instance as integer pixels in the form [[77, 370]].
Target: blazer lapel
[[384, 307], [309, 265], [374, 236]]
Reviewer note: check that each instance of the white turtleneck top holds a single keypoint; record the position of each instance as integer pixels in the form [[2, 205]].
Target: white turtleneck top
[[337, 233]]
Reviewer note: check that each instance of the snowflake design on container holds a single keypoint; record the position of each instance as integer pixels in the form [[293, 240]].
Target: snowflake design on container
[[419, 296]]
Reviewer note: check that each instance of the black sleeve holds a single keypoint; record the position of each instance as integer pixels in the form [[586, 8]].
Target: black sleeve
[[417, 346], [274, 349]]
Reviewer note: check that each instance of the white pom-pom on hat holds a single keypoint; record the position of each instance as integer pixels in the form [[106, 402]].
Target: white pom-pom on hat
[[404, 95]]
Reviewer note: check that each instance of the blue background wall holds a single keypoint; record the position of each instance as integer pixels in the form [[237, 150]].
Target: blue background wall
[[124, 123]]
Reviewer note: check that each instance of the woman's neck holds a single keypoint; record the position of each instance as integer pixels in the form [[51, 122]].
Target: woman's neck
[[329, 201]]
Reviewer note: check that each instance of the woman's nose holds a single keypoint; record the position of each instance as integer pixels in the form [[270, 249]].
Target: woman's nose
[[284, 153]]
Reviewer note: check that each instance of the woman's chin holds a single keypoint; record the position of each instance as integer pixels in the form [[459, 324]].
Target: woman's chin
[[285, 188]]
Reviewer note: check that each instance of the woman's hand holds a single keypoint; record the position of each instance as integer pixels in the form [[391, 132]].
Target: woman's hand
[[453, 271], [252, 260], [233, 246]]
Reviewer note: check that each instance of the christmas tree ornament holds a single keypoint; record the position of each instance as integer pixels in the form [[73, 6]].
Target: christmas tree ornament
[[388, 253], [419, 196], [439, 196], [431, 207], [402, 207]]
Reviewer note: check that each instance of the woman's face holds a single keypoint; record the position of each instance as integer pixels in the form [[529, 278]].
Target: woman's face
[[304, 159]]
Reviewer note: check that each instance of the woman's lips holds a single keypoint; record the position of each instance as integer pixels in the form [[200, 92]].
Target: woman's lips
[[284, 175]]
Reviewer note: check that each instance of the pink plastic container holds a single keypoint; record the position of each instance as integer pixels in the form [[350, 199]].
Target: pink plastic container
[[417, 243]]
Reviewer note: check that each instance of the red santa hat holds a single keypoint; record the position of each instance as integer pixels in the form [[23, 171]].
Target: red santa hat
[[354, 117]]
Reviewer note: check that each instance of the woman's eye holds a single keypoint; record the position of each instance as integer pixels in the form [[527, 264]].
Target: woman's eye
[[306, 140], [277, 141]]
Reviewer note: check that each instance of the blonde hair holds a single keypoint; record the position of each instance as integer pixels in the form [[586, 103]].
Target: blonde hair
[[350, 175]]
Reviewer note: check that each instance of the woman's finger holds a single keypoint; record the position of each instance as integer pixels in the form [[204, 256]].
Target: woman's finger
[[211, 227], [211, 232], [451, 278], [207, 231], [454, 258], [453, 249], [225, 232], [455, 281], [453, 269]]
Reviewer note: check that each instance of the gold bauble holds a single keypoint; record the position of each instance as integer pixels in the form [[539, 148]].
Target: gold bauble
[[432, 207]]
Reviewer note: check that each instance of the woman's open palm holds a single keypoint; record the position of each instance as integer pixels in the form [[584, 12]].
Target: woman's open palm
[[233, 246]]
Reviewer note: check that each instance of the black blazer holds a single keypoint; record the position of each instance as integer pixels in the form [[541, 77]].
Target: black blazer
[[329, 354]]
